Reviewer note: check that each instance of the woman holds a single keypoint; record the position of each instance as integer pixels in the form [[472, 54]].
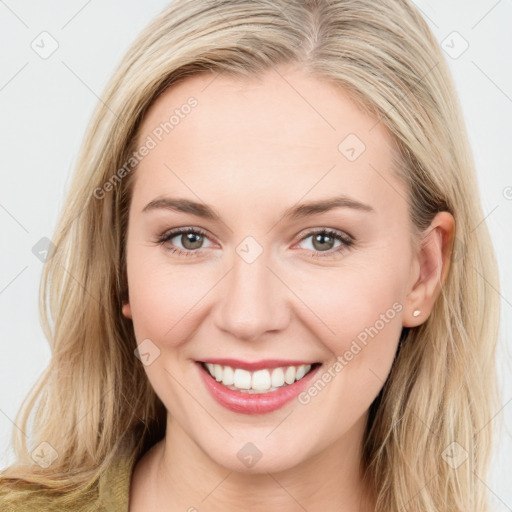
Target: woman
[[208, 351]]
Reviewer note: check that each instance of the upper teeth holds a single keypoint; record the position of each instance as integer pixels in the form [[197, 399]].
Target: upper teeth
[[258, 381]]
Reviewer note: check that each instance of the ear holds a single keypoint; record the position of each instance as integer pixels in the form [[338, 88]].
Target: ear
[[127, 312], [432, 264]]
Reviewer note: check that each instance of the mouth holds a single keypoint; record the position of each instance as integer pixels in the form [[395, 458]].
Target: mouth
[[257, 378], [256, 392]]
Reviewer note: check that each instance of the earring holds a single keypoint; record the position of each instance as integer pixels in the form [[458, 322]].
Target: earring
[[416, 312]]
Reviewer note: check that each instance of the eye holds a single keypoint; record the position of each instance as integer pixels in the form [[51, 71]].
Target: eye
[[324, 239], [190, 238]]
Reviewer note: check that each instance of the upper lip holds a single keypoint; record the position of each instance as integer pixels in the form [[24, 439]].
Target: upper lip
[[256, 365]]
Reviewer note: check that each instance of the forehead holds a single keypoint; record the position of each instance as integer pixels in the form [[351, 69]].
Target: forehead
[[289, 103], [286, 128]]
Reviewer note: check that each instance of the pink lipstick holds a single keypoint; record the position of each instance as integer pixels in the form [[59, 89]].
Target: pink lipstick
[[255, 403]]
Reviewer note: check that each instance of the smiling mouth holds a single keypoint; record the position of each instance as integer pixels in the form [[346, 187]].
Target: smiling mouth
[[264, 380]]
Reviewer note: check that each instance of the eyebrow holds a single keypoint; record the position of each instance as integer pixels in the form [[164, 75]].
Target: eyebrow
[[295, 212]]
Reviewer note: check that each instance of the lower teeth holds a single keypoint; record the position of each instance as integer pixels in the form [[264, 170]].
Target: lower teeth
[[252, 391]]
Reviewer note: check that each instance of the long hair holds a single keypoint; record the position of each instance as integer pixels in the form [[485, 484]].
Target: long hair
[[94, 401]]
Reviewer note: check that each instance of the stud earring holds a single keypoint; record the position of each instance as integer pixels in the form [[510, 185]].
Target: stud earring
[[416, 312]]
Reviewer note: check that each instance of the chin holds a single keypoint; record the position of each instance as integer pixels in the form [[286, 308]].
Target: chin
[[257, 457]]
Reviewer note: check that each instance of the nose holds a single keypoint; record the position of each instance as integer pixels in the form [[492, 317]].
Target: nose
[[254, 300]]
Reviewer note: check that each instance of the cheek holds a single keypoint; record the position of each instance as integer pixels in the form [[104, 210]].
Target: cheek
[[361, 322], [345, 304], [165, 298]]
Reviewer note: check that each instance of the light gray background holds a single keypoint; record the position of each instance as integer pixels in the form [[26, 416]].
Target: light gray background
[[45, 106]]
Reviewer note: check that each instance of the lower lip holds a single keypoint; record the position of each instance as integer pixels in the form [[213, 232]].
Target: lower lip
[[252, 403]]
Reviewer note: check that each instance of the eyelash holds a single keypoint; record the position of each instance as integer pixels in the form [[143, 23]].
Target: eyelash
[[346, 240]]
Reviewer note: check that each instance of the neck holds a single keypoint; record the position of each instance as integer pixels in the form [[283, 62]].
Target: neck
[[183, 477]]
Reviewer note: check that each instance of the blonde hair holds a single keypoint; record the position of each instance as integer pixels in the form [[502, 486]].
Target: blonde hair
[[95, 400]]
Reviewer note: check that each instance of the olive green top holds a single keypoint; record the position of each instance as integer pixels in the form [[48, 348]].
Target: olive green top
[[111, 494]]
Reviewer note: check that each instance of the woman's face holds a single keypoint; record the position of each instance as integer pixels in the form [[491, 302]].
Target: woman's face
[[250, 281]]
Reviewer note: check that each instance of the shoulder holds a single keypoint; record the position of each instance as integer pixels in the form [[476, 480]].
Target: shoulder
[[114, 485], [110, 494], [25, 498]]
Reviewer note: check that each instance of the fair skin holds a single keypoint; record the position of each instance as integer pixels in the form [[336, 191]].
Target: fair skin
[[250, 150]]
